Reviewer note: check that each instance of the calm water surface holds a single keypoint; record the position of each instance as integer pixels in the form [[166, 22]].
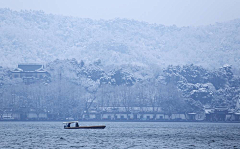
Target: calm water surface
[[120, 135]]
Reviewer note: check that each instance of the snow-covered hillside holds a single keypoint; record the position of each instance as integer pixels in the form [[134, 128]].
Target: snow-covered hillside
[[33, 36]]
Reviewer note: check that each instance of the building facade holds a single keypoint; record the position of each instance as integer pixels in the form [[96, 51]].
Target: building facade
[[29, 72]]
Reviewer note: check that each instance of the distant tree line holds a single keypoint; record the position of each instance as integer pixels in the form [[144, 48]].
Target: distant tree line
[[72, 88]]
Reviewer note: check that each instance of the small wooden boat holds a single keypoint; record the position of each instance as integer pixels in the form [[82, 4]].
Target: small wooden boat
[[68, 126]]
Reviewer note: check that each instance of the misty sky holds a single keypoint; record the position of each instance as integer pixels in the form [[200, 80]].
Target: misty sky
[[167, 12]]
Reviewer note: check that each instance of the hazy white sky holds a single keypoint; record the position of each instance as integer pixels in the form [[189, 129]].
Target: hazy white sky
[[167, 12]]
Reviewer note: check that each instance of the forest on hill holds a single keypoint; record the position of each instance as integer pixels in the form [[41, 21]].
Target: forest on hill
[[36, 37], [118, 62], [72, 87]]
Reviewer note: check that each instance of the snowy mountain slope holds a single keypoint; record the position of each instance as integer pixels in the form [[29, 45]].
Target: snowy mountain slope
[[33, 36]]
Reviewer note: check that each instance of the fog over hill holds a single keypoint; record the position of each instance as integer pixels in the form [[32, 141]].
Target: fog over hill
[[33, 36], [117, 63]]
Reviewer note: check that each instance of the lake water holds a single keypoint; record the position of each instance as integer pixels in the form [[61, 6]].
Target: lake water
[[120, 135]]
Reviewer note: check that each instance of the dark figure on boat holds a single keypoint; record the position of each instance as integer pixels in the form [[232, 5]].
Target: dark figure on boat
[[76, 125]]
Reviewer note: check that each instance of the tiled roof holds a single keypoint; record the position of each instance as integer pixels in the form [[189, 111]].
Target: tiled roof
[[30, 67], [17, 70]]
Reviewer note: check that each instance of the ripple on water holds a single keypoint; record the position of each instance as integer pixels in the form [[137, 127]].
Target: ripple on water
[[120, 135]]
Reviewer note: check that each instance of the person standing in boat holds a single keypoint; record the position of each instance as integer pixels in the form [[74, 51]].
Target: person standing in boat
[[68, 125], [76, 125]]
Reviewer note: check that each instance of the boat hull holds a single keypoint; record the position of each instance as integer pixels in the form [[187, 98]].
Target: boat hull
[[86, 127]]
